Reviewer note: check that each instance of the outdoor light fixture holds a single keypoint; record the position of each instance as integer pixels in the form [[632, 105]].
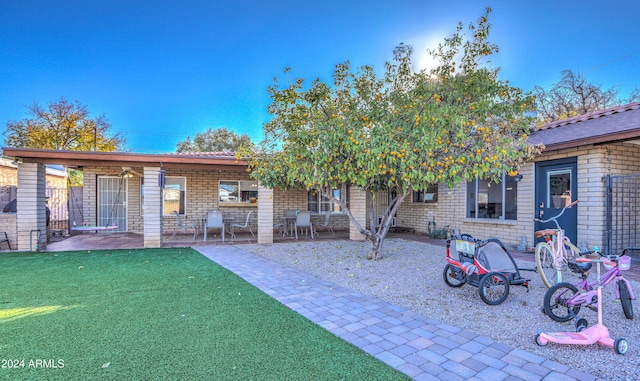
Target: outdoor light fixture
[[161, 178], [517, 178]]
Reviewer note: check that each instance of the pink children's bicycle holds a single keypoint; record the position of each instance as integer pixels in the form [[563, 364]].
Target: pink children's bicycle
[[563, 301], [597, 333]]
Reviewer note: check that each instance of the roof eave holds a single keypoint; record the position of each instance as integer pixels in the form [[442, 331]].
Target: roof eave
[[610, 138], [87, 158]]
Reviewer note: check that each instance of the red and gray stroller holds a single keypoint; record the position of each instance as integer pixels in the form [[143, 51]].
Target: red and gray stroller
[[485, 264]]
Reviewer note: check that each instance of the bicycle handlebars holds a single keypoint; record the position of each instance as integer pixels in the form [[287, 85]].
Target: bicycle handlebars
[[558, 215]]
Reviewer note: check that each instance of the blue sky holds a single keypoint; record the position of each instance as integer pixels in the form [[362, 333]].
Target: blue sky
[[161, 71]]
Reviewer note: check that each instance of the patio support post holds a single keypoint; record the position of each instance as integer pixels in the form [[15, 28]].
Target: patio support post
[[358, 205], [31, 207], [265, 215], [152, 208]]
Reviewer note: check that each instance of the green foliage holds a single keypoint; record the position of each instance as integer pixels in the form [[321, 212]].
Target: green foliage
[[214, 140], [76, 177], [402, 131], [62, 126]]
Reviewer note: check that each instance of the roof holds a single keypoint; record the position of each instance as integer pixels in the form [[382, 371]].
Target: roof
[[218, 160], [613, 124]]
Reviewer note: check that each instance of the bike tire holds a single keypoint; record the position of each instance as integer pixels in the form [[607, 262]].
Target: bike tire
[[572, 253], [545, 263], [625, 300], [555, 302], [493, 288], [454, 276]]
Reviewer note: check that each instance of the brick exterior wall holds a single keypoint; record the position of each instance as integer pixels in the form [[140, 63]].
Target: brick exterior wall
[[152, 207], [31, 204], [593, 162], [265, 215], [358, 207]]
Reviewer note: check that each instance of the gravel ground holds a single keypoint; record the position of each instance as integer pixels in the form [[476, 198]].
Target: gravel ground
[[410, 276]]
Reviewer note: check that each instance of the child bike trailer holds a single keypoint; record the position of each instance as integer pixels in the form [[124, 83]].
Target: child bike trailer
[[485, 264]]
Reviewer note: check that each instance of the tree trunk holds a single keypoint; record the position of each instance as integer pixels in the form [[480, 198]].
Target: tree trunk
[[376, 248]]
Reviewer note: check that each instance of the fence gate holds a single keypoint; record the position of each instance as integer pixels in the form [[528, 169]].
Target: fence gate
[[57, 203], [622, 207]]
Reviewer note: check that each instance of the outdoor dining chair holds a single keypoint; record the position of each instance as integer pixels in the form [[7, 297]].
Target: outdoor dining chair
[[215, 220], [303, 220], [183, 226], [246, 225], [325, 224]]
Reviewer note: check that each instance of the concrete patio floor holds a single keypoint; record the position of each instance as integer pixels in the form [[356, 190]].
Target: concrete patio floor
[[128, 240]]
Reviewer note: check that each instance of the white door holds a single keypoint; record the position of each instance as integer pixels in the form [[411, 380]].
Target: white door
[[112, 202]]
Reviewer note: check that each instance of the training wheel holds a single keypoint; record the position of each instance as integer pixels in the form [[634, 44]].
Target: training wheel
[[621, 346], [537, 339], [581, 324]]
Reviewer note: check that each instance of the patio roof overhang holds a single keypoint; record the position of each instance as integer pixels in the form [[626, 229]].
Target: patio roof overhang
[[79, 159]]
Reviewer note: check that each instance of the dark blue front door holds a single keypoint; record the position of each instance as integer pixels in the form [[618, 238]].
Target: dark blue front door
[[556, 186]]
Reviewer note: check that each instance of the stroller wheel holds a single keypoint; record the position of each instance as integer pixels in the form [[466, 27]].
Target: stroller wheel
[[454, 276], [493, 288]]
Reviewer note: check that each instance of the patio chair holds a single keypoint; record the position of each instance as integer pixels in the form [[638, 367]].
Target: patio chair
[[281, 229], [303, 220], [182, 226], [5, 238], [215, 220], [326, 224], [241, 226]]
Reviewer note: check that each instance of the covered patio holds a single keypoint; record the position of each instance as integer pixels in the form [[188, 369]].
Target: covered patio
[[128, 240], [146, 196]]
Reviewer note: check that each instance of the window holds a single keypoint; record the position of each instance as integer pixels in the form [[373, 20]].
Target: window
[[429, 195], [486, 199], [238, 191], [174, 196], [316, 203]]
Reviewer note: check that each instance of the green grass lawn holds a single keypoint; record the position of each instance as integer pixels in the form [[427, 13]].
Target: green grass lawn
[[158, 314]]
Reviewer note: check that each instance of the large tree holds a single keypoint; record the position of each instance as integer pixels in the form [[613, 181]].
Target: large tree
[[575, 95], [400, 132], [63, 125], [214, 140]]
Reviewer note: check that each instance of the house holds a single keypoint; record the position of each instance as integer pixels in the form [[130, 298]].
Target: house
[[593, 158], [139, 192], [582, 155]]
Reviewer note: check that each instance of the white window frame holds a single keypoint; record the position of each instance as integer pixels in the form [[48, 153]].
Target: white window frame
[[323, 204], [473, 190], [427, 196], [249, 187], [169, 184]]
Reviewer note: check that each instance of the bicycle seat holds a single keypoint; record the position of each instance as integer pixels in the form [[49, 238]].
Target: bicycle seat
[[545, 233], [580, 267]]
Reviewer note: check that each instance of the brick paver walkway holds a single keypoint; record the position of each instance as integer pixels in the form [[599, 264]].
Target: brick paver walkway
[[420, 347]]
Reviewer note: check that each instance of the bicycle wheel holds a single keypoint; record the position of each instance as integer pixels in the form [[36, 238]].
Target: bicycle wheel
[[572, 252], [493, 288], [546, 266], [454, 276], [555, 302], [625, 300]]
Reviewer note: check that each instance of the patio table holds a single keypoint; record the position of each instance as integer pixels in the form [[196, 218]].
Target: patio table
[[289, 225]]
